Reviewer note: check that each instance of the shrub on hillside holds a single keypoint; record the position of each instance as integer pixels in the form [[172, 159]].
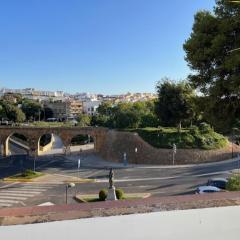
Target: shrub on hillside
[[205, 128], [194, 130], [102, 195]]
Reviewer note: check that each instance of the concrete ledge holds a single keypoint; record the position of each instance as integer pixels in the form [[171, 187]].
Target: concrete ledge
[[11, 216]]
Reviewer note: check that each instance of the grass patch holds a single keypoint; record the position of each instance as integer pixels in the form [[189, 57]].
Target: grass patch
[[233, 183], [187, 138], [51, 124], [26, 175]]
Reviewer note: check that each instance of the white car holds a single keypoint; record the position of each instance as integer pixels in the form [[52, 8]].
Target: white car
[[207, 189]]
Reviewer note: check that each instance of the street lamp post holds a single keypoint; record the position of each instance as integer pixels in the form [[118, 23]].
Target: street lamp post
[[34, 163], [174, 151], [79, 165], [125, 159], [233, 137], [136, 151], [70, 185]]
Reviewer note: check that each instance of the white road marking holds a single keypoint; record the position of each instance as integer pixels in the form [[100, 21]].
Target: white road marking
[[16, 194], [162, 178], [13, 197], [33, 189], [94, 173], [19, 191], [10, 196], [8, 185], [5, 205], [8, 201]]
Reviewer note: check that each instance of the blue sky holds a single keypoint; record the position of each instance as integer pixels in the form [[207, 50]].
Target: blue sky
[[99, 46]]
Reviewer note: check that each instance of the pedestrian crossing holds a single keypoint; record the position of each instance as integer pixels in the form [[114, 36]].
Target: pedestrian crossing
[[16, 195]]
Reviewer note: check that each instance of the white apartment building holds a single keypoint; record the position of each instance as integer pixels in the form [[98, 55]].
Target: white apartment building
[[32, 93], [90, 107]]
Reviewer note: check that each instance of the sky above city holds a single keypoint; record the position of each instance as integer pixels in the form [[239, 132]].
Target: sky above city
[[97, 46]]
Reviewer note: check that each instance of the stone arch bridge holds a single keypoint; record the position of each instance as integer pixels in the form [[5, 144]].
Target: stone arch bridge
[[112, 145], [33, 135]]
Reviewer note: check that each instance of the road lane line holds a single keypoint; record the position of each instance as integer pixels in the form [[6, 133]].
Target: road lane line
[[94, 173], [162, 178]]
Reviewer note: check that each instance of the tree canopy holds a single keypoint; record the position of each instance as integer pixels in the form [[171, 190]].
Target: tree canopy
[[126, 115], [175, 102], [212, 53]]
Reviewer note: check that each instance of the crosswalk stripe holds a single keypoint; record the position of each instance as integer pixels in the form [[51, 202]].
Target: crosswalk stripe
[[5, 205], [17, 194], [10, 196], [32, 189], [40, 185], [8, 201], [35, 187], [13, 197], [19, 191]]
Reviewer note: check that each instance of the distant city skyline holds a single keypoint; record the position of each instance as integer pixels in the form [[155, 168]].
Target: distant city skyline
[[65, 92], [107, 47]]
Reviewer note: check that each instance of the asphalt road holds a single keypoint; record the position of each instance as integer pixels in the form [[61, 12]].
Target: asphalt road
[[156, 180]]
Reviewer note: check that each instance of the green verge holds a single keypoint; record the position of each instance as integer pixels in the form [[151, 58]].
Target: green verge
[[187, 138], [51, 124], [24, 176]]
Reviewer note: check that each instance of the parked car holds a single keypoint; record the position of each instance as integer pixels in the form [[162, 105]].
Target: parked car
[[218, 182], [207, 189], [6, 122]]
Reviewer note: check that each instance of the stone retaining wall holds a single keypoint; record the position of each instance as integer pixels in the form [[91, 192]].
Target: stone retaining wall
[[116, 143]]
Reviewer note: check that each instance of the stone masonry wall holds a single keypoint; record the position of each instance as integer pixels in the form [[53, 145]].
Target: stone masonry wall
[[116, 143]]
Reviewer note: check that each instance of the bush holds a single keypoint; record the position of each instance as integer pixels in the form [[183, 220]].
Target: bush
[[194, 130], [102, 195], [28, 173], [119, 194], [205, 128], [234, 183]]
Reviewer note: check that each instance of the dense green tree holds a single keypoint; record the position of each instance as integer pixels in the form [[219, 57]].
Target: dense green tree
[[84, 120], [12, 112], [46, 113], [175, 102], [211, 52], [126, 115], [149, 120], [32, 109], [127, 119], [102, 120], [105, 108], [3, 113]]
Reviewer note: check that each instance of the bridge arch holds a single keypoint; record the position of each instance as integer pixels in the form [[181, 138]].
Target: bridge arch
[[16, 144], [82, 143], [33, 134]]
